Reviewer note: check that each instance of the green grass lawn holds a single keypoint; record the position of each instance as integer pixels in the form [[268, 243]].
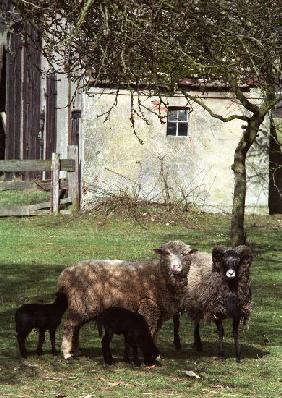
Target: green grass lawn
[[35, 250], [27, 197]]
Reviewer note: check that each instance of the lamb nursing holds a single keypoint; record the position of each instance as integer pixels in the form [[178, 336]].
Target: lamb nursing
[[154, 289]]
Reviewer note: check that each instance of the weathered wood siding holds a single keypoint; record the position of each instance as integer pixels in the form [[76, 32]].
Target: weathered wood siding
[[51, 115], [31, 95], [2, 98], [13, 100]]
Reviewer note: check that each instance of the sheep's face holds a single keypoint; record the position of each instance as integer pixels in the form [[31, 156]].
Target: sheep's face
[[152, 357], [227, 261], [174, 256], [151, 353]]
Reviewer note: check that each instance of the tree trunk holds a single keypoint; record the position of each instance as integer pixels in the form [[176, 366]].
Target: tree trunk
[[238, 236], [237, 233]]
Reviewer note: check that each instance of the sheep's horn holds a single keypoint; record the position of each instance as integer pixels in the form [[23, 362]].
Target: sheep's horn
[[245, 252], [161, 250], [218, 252]]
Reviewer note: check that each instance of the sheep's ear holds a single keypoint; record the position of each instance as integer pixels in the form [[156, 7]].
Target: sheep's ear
[[217, 254], [245, 253], [161, 251]]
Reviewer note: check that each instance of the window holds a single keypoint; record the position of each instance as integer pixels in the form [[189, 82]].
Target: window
[[177, 122]]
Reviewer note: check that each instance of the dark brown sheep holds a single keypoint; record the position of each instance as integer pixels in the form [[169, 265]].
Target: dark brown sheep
[[219, 287]]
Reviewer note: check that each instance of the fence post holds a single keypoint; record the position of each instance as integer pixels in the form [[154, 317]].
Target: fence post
[[73, 178], [55, 171]]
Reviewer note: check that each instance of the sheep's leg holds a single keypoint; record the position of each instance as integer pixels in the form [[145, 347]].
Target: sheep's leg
[[99, 328], [130, 342], [70, 328], [220, 331], [157, 333], [136, 359], [21, 337], [150, 311], [52, 333], [176, 337], [236, 322], [197, 338], [75, 340], [127, 349], [41, 340], [106, 349]]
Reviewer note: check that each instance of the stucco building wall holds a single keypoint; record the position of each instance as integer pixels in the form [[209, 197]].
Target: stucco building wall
[[197, 167]]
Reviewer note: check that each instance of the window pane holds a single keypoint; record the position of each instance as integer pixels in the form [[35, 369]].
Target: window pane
[[171, 128], [182, 129], [172, 115], [182, 115]]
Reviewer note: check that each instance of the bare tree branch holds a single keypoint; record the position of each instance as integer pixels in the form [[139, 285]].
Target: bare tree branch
[[198, 101]]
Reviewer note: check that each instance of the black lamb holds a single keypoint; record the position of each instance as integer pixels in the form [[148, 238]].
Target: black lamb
[[42, 317], [116, 320]]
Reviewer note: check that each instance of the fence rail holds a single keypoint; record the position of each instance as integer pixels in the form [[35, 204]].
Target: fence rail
[[71, 166], [22, 166]]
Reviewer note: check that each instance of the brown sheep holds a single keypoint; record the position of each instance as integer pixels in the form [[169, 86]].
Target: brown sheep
[[219, 287], [154, 289]]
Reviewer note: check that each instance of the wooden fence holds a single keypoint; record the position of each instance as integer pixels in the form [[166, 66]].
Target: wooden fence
[[70, 165]]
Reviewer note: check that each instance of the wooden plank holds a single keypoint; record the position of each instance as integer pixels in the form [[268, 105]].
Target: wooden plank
[[45, 185], [16, 185], [73, 178], [25, 165], [65, 201], [39, 206], [55, 183], [18, 97], [51, 114], [67, 165], [32, 210], [65, 212], [23, 210], [35, 165], [42, 212], [14, 211]]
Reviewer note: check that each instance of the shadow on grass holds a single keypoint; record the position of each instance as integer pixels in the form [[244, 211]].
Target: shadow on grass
[[14, 369], [210, 351], [18, 280]]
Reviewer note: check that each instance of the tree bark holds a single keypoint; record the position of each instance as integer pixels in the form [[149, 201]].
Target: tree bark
[[238, 236], [237, 233]]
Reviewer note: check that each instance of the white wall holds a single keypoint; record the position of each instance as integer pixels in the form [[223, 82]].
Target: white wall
[[198, 165]]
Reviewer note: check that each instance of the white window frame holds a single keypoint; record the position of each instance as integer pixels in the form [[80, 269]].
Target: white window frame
[[177, 122]]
